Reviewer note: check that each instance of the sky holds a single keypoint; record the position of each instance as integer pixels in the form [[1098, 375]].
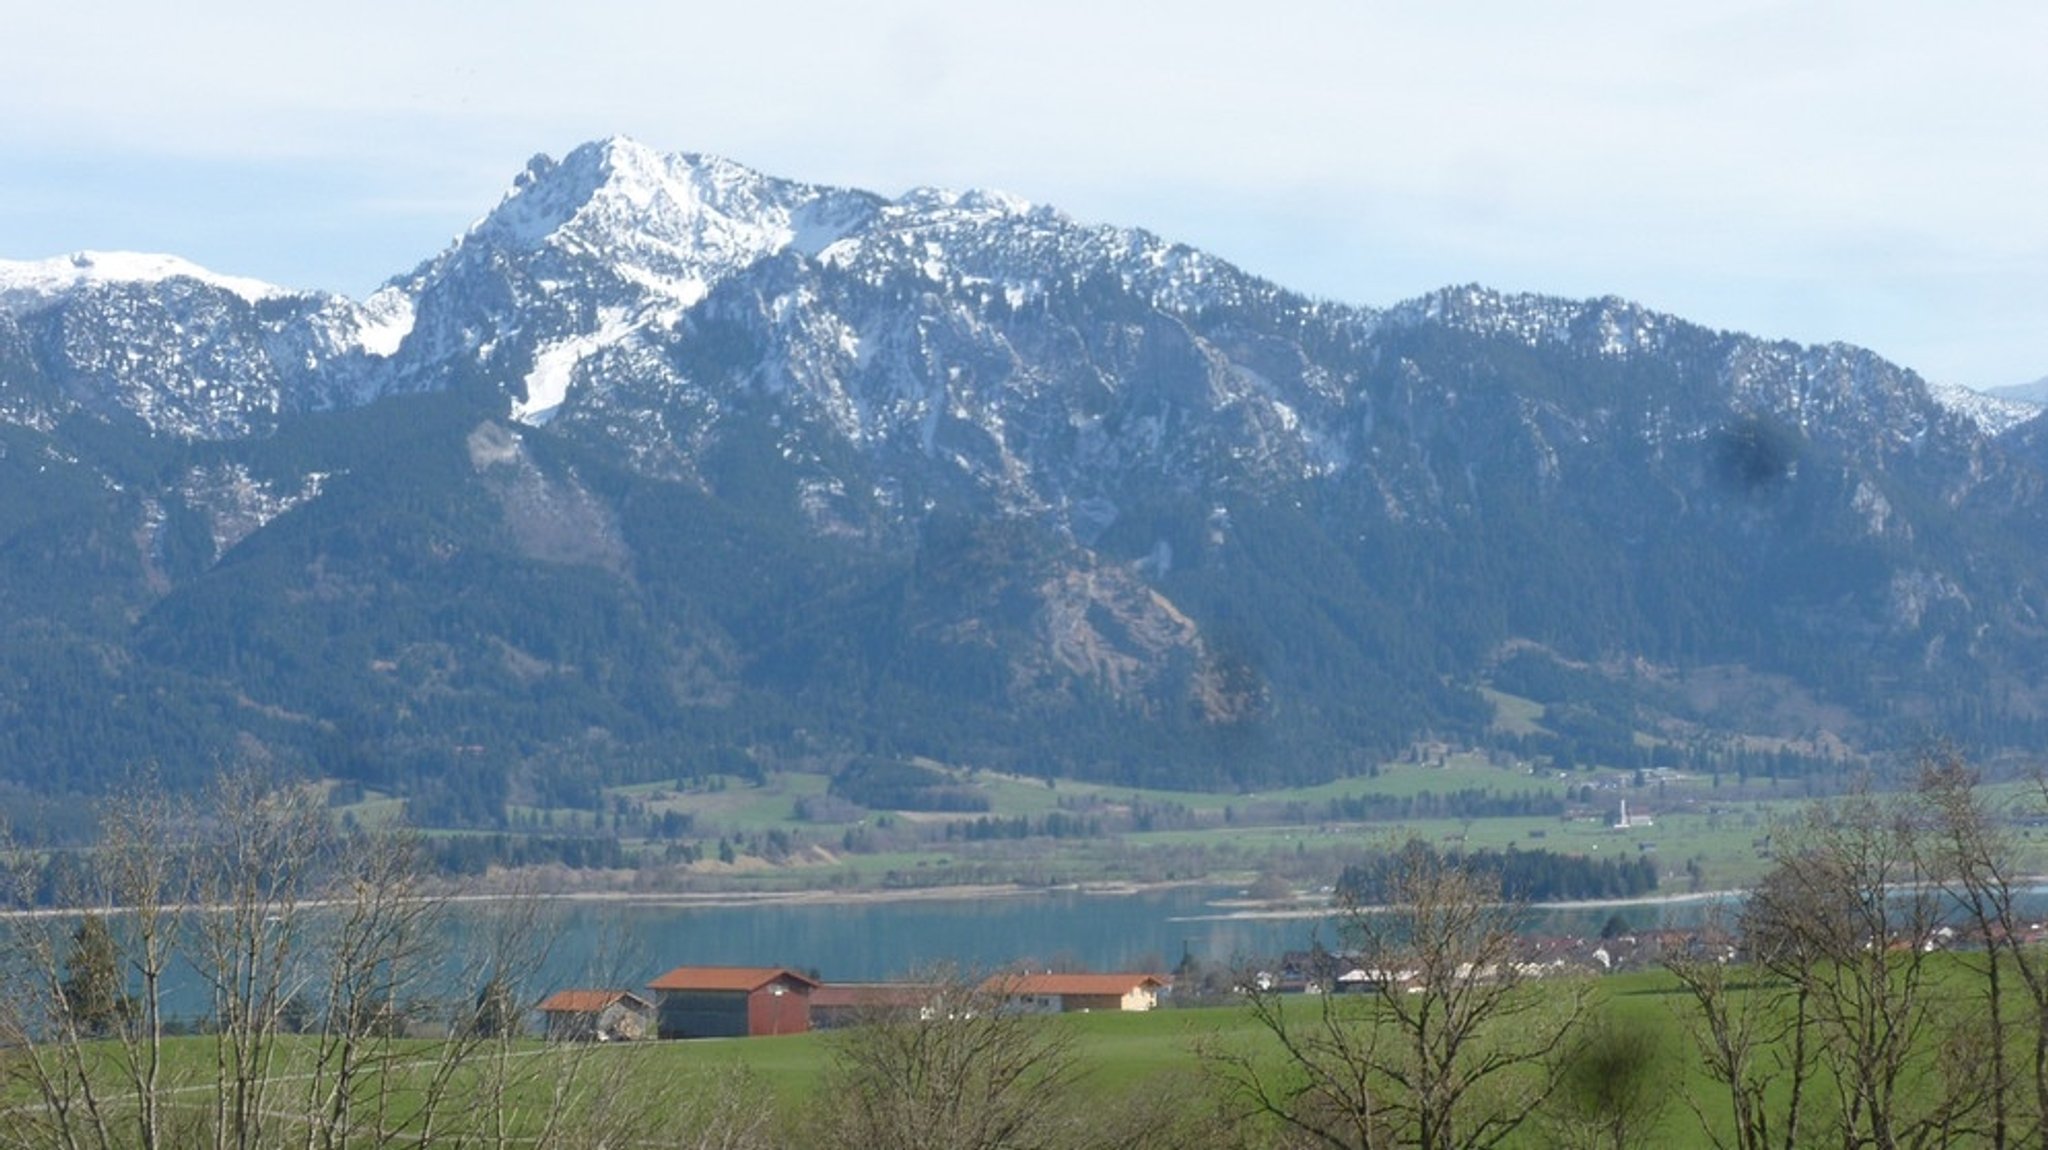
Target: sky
[[1874, 173]]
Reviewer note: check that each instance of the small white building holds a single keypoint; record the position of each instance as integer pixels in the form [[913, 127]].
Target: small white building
[[1625, 821], [1359, 980]]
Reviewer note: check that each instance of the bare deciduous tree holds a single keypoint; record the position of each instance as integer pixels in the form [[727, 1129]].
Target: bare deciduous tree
[[377, 949], [1614, 1086], [1751, 1040], [1850, 918], [730, 1109], [957, 1070], [1971, 854], [1449, 1050], [255, 870], [97, 1082], [1168, 1110], [1327, 1087], [286, 926]]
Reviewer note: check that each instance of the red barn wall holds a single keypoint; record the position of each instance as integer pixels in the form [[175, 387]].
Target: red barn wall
[[772, 1013]]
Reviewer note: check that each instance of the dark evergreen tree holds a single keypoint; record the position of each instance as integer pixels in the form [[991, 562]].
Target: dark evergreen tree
[[95, 999]]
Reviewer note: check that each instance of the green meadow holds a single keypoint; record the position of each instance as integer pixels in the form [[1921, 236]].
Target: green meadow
[[1159, 1052], [792, 829], [784, 831], [1119, 1058]]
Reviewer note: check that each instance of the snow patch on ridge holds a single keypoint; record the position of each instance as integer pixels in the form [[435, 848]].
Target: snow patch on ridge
[[683, 291], [64, 274], [554, 368], [1991, 414], [387, 319]]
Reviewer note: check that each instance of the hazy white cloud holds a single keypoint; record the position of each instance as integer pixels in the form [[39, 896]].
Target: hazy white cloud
[[1867, 172]]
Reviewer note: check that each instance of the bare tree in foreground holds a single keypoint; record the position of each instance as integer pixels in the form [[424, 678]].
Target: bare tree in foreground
[[82, 1079], [1750, 1039], [1448, 1050], [1614, 1086], [256, 868], [730, 1109], [346, 1007], [1971, 853], [956, 1069], [1867, 1047], [336, 1017]]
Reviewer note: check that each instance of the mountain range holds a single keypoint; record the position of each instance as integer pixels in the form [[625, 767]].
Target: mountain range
[[670, 467]]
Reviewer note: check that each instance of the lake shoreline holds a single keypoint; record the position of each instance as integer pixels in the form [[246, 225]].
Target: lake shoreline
[[1238, 909], [825, 896], [1247, 910]]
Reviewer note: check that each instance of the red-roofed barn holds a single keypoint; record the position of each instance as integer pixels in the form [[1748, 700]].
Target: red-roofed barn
[[597, 1016], [732, 1001]]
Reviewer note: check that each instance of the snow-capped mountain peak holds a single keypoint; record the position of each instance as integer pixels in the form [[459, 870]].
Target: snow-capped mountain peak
[[63, 275], [612, 241], [671, 224]]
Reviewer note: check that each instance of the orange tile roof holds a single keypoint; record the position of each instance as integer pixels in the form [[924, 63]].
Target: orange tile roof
[[586, 1001], [747, 978], [1076, 984]]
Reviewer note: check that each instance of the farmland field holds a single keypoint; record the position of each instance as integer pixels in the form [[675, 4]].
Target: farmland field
[[786, 831], [1118, 1057]]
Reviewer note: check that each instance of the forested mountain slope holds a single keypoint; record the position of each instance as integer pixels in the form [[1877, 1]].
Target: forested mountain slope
[[667, 464]]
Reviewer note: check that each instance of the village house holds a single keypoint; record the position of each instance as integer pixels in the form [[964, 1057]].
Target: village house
[[839, 1004], [1623, 821], [1363, 980], [597, 1016], [1055, 993], [732, 1002]]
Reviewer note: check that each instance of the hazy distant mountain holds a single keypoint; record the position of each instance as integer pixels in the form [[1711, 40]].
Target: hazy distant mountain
[[2035, 392], [666, 461]]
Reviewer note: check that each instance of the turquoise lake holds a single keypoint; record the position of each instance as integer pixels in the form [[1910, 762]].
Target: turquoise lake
[[626, 944]]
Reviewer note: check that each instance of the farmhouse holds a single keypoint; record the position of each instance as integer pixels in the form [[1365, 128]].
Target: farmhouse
[[1052, 993], [597, 1016], [838, 1004], [732, 1001]]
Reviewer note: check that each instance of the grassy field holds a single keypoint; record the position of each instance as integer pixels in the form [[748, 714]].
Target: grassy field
[[1701, 839], [784, 830], [1124, 1053], [1120, 1057]]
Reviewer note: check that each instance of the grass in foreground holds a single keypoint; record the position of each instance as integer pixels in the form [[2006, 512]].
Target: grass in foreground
[[1120, 1057]]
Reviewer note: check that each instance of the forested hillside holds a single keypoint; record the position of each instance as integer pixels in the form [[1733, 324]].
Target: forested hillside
[[670, 468]]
